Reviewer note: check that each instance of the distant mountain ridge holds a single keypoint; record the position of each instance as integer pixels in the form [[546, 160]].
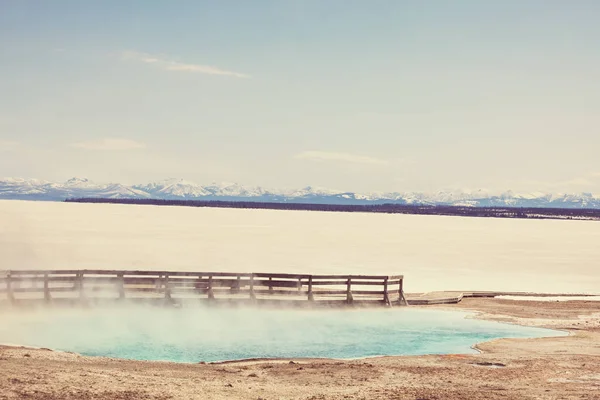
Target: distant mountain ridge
[[179, 189]]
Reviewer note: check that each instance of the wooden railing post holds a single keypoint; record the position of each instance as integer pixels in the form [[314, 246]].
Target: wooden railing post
[[235, 288], [349, 298], [211, 294], [121, 285], [80, 284], [310, 290], [167, 287], [270, 284], [299, 284], [401, 299], [47, 297], [9, 288], [252, 296], [386, 298]]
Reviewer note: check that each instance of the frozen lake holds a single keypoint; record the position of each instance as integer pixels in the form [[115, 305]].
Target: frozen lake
[[434, 253], [209, 334]]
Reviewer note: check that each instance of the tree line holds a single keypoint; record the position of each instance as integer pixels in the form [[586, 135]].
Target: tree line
[[388, 208]]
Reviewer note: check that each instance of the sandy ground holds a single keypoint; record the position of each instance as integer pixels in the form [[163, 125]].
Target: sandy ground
[[546, 368]]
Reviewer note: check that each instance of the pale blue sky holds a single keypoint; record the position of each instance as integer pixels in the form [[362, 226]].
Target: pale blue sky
[[353, 95]]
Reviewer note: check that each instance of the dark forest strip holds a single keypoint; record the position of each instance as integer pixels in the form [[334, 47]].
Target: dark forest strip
[[493, 212]]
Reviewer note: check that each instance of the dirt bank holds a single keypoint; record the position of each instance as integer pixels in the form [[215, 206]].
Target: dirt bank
[[547, 368]]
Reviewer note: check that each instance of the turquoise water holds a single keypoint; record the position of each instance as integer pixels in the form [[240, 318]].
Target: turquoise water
[[216, 334]]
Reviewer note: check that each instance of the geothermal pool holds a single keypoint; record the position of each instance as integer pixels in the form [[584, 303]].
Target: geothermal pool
[[433, 253], [216, 334]]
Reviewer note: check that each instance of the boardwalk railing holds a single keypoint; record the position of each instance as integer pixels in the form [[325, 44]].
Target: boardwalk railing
[[174, 286]]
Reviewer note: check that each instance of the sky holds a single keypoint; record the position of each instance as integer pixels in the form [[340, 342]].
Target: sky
[[345, 94]]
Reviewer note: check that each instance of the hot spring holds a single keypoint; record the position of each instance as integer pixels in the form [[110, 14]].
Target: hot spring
[[194, 334]]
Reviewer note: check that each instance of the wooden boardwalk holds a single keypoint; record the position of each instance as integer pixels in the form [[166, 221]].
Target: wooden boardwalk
[[453, 297], [177, 287]]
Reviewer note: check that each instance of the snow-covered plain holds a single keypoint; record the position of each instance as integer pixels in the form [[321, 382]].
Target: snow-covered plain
[[433, 252]]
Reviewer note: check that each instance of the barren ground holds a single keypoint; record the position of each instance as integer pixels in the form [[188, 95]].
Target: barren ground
[[546, 368]]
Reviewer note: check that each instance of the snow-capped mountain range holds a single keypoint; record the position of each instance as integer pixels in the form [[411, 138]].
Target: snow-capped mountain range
[[33, 189]]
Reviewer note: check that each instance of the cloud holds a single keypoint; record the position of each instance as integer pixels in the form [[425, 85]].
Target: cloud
[[339, 157], [578, 182], [171, 65], [8, 145], [109, 144], [588, 180]]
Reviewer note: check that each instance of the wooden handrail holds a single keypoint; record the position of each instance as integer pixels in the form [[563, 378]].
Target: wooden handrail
[[124, 284]]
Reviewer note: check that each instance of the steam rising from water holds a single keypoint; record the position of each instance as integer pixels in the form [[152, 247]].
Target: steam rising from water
[[213, 334]]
